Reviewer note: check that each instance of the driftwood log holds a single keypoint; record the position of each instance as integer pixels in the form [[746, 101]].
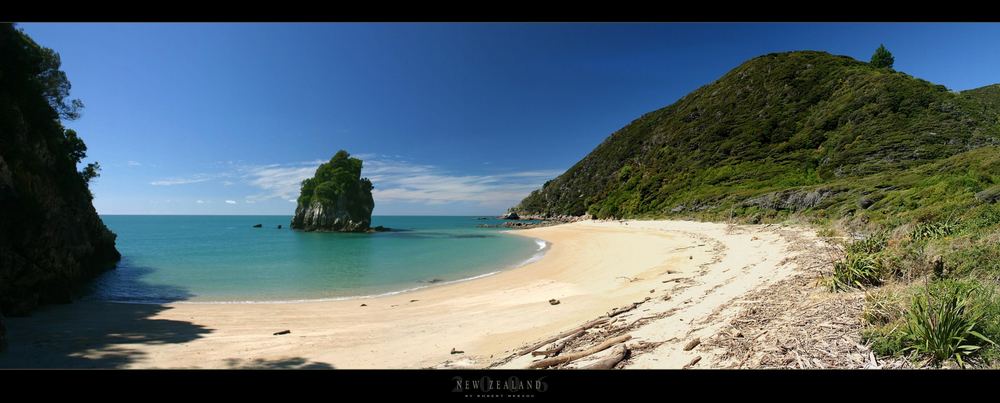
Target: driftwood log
[[548, 362], [555, 350], [626, 308], [541, 344], [693, 361], [618, 354]]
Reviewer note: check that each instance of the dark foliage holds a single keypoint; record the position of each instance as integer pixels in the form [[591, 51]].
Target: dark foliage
[[51, 238]]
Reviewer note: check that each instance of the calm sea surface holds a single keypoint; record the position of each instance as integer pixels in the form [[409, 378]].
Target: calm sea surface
[[225, 259]]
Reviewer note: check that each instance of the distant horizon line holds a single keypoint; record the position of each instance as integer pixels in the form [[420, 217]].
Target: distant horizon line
[[292, 215]]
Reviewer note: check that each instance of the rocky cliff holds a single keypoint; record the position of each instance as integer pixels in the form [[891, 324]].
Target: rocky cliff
[[51, 238], [336, 198]]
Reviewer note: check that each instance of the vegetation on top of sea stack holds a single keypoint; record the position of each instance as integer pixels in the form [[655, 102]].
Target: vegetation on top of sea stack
[[336, 198]]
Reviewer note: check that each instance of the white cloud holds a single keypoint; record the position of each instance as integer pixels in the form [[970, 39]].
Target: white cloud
[[395, 180], [134, 163], [179, 181], [200, 201], [279, 180]]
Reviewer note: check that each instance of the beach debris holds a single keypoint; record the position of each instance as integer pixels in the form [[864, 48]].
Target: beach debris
[[282, 332], [580, 328], [553, 301], [690, 257], [619, 311], [618, 353], [364, 304], [548, 362], [693, 361], [454, 351], [692, 344], [414, 300], [555, 350], [652, 291], [258, 225]]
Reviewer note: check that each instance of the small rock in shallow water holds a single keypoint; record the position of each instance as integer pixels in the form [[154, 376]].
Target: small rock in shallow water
[[258, 225], [554, 301], [364, 304]]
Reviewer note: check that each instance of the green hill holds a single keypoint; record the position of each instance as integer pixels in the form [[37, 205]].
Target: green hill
[[907, 169], [791, 121]]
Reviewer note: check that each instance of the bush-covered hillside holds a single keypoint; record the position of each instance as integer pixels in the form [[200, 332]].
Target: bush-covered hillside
[[904, 172], [777, 122]]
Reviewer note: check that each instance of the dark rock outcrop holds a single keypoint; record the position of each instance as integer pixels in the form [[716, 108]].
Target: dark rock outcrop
[[258, 225], [510, 216], [991, 195], [51, 238], [793, 200], [336, 198]]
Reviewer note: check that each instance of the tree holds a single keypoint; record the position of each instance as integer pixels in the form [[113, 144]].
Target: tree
[[76, 149], [882, 58], [91, 171]]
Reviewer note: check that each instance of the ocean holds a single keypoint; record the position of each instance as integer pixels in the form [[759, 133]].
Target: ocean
[[224, 259]]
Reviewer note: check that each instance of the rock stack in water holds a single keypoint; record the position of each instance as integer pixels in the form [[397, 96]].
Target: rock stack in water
[[336, 198]]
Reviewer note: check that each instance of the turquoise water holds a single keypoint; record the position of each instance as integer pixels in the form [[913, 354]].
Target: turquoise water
[[225, 259]]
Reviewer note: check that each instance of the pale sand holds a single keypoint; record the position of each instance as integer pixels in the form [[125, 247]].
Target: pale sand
[[591, 267]]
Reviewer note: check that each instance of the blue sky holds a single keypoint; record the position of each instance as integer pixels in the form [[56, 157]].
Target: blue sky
[[451, 119]]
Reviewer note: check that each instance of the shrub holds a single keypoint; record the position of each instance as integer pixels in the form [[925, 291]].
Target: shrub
[[882, 307], [873, 243], [934, 230], [943, 325], [857, 270]]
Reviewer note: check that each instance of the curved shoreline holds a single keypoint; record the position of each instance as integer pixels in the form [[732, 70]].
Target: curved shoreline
[[589, 267], [538, 255]]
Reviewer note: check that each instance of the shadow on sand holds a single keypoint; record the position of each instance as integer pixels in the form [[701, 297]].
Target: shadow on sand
[[283, 363], [96, 334]]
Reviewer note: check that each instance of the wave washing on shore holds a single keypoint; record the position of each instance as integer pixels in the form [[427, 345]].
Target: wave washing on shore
[[543, 246], [225, 260]]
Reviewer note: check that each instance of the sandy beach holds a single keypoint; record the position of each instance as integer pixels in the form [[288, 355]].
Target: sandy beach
[[688, 276]]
